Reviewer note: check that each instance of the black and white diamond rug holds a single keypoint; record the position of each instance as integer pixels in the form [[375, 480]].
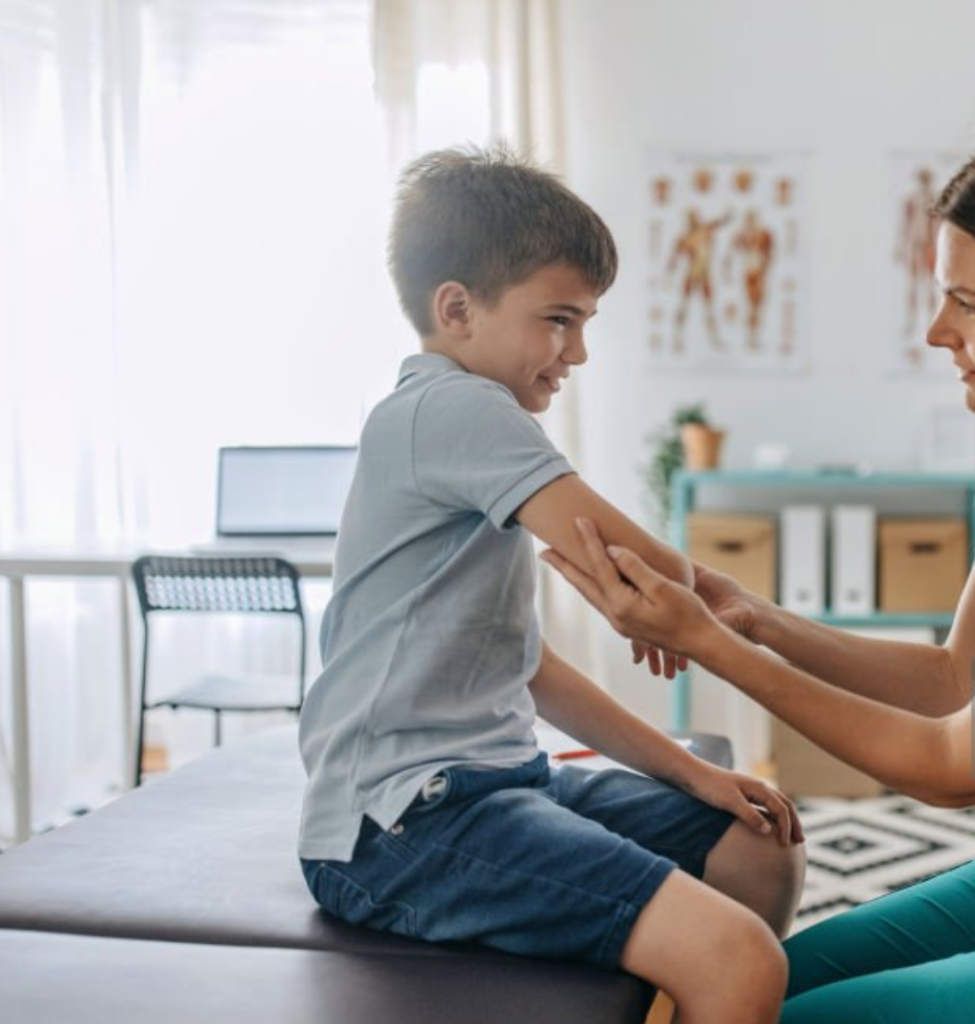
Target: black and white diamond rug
[[860, 849]]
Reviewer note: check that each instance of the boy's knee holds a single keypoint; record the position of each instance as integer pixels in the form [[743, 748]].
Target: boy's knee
[[716, 959], [756, 871], [750, 971], [764, 973], [742, 977]]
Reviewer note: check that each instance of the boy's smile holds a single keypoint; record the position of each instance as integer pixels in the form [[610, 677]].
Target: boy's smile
[[528, 340]]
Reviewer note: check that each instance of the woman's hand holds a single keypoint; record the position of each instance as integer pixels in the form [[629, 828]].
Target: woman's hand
[[729, 602], [638, 602], [762, 808]]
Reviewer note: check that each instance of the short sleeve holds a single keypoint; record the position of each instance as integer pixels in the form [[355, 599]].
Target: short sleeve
[[475, 448]]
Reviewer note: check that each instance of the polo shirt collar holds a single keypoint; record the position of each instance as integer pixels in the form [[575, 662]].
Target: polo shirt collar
[[426, 362]]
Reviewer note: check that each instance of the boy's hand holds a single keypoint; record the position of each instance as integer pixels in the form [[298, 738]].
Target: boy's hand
[[658, 661], [763, 809]]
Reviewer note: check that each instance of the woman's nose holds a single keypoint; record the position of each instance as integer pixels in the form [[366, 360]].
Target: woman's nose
[[941, 334]]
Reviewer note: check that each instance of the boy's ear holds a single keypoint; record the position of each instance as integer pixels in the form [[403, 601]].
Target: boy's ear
[[451, 309]]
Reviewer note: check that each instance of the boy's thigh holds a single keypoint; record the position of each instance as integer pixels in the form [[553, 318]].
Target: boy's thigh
[[513, 870], [655, 815]]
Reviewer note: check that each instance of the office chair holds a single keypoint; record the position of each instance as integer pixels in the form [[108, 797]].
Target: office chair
[[236, 585]]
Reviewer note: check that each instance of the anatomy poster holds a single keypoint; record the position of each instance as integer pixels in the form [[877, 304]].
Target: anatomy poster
[[916, 179], [726, 246]]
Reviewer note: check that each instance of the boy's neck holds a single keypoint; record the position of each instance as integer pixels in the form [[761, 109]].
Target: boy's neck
[[438, 345]]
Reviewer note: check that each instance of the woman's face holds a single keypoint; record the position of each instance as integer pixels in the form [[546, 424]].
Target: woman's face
[[953, 327]]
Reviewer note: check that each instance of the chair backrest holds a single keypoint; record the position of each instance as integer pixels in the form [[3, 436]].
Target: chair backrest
[[173, 583]]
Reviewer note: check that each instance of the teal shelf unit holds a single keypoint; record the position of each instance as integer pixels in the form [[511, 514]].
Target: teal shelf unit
[[685, 486]]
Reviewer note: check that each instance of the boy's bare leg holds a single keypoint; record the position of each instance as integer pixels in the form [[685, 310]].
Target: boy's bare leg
[[716, 959], [755, 871]]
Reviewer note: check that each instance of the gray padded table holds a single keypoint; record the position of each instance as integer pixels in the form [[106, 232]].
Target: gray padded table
[[202, 862], [49, 978], [204, 854]]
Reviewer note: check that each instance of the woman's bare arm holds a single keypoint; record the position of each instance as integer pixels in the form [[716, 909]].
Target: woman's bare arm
[[929, 758]]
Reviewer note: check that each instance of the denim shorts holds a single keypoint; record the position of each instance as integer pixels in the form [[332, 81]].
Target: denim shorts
[[532, 860]]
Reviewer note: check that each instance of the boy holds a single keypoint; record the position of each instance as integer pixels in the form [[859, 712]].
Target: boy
[[429, 810]]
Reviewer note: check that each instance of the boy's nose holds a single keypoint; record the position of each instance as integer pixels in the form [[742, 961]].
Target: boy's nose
[[576, 353]]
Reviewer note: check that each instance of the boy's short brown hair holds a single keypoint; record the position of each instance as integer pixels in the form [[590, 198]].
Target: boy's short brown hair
[[488, 219]]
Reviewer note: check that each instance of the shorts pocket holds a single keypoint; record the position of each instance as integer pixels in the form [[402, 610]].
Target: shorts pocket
[[350, 902]]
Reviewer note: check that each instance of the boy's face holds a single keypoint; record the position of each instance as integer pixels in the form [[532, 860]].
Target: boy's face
[[532, 336]]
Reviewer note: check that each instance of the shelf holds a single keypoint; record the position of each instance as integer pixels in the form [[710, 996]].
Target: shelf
[[937, 620], [684, 487], [831, 480]]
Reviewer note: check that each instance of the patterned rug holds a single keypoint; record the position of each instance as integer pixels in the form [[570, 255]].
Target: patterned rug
[[861, 849]]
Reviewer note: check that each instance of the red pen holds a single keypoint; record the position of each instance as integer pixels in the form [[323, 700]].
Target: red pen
[[569, 755]]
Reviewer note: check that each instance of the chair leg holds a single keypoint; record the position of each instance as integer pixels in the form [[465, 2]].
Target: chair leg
[[216, 728], [140, 740], [661, 1010]]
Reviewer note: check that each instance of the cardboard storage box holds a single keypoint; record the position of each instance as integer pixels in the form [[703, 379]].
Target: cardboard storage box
[[923, 564], [802, 769], [742, 546]]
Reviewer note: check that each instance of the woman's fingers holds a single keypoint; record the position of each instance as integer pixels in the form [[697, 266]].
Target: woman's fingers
[[604, 570], [586, 585], [645, 579]]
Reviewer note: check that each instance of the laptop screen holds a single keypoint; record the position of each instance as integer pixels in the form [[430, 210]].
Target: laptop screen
[[282, 491]]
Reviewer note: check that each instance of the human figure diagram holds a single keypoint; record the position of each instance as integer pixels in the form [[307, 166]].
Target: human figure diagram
[[915, 249], [695, 247], [753, 244]]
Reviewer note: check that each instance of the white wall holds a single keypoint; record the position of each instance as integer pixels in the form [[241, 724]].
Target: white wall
[[847, 82]]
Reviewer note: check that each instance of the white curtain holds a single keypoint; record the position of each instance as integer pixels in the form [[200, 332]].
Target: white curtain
[[193, 196], [484, 71]]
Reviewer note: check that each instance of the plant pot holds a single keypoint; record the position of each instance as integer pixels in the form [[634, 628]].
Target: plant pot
[[702, 446]]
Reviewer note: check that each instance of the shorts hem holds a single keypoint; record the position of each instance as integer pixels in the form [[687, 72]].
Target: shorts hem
[[629, 911]]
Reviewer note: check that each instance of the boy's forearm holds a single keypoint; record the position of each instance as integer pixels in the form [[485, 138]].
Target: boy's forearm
[[574, 704], [917, 677], [900, 748]]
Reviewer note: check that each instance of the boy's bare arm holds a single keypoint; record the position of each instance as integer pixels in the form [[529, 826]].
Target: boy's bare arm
[[576, 705], [551, 513]]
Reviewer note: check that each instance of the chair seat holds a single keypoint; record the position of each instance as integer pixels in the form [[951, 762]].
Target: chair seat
[[235, 693]]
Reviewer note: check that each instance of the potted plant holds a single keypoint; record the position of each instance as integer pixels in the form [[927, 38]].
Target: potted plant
[[688, 440]]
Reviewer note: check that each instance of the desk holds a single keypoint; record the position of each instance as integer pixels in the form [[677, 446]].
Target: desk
[[18, 565]]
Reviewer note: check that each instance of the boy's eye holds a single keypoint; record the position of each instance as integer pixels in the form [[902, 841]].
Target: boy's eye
[[562, 321]]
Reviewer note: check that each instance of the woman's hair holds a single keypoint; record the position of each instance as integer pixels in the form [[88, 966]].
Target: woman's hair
[[488, 219], [956, 203]]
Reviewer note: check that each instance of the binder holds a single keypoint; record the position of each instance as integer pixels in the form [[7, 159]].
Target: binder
[[853, 560], [803, 576]]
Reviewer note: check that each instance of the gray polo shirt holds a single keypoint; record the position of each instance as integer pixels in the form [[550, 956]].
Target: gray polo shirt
[[430, 638]]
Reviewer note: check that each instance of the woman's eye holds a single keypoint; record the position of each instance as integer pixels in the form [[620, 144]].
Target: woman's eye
[[967, 308]]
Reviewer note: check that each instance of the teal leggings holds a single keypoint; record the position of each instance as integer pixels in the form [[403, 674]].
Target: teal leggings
[[907, 958]]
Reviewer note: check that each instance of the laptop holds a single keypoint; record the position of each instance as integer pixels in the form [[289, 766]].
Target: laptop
[[283, 499]]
